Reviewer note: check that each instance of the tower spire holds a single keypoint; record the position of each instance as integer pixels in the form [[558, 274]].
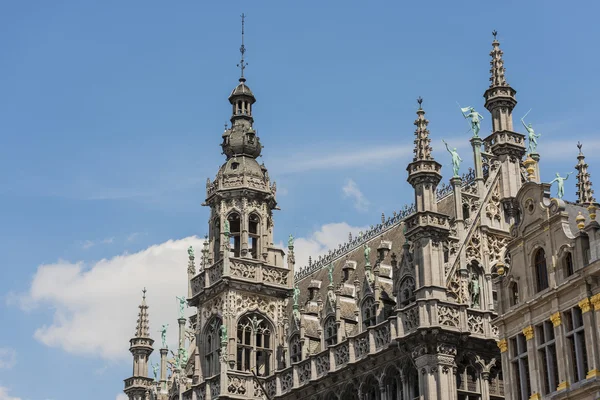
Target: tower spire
[[585, 193], [142, 328], [422, 141], [242, 65], [497, 69]]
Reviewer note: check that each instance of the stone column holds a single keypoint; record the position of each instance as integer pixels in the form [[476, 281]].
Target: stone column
[[528, 331], [436, 378], [478, 163], [181, 342], [561, 356], [458, 206], [163, 369], [591, 338]]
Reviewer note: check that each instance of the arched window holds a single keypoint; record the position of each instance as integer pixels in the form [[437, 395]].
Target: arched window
[[407, 291], [391, 384], [466, 211], [234, 234], [254, 235], [569, 269], [369, 312], [541, 273], [295, 349], [217, 239], [370, 389], [254, 347], [330, 331], [212, 346]]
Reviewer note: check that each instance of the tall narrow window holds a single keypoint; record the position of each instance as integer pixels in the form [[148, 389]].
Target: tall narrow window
[[234, 235], [466, 211], [547, 354], [541, 272], [330, 331], [217, 239], [513, 289], [253, 235], [576, 343], [254, 347], [520, 366], [369, 312], [295, 349], [569, 270], [212, 345]]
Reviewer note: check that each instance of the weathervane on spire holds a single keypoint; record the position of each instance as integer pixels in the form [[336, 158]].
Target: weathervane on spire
[[494, 32], [144, 294], [420, 101], [242, 65]]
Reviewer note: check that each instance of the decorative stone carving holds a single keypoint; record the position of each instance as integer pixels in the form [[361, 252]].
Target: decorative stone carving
[[304, 372], [410, 319], [322, 363], [528, 332], [361, 346], [475, 323], [493, 209], [555, 318], [448, 316], [275, 275], [236, 385], [243, 270], [473, 251], [287, 381], [381, 335], [341, 354]]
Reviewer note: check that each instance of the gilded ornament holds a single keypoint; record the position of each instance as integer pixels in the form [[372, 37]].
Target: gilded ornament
[[528, 332], [584, 305], [502, 345], [580, 219], [595, 300], [555, 318]]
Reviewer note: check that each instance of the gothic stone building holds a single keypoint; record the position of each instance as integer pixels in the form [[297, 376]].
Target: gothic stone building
[[484, 288]]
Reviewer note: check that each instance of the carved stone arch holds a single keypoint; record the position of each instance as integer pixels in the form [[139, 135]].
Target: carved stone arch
[[391, 382], [406, 290], [255, 341], [295, 347], [211, 342], [369, 387], [330, 330], [368, 311], [350, 392]]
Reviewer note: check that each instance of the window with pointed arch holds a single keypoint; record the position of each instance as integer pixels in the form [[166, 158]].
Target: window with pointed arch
[[370, 389], [254, 344], [369, 312], [212, 347], [407, 291], [295, 349], [541, 272], [234, 234], [254, 235], [330, 331]]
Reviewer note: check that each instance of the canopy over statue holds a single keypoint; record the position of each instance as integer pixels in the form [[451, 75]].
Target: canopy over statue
[[456, 160], [476, 118], [560, 182]]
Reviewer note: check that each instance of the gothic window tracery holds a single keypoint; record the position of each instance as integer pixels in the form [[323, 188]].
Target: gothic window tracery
[[212, 345], [407, 291], [295, 349], [330, 331], [541, 272], [370, 389], [369, 312], [254, 344]]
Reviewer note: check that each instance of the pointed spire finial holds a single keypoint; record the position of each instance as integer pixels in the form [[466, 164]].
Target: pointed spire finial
[[585, 193], [497, 69], [420, 101], [142, 326], [494, 32], [144, 293], [242, 65], [422, 141]]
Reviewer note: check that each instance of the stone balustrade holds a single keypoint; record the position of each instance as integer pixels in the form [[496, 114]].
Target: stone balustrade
[[244, 269], [139, 381]]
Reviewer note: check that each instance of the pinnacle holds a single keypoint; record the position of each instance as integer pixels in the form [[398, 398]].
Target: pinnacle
[[585, 193], [422, 142], [143, 323], [497, 69]]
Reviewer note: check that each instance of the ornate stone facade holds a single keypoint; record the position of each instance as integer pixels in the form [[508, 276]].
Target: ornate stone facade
[[424, 305]]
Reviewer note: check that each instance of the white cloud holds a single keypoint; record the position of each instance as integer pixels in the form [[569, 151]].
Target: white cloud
[[329, 236], [133, 236], [95, 306], [8, 358], [122, 396], [4, 394], [352, 191], [91, 243]]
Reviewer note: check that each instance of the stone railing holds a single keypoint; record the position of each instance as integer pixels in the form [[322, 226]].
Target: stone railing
[[241, 268], [139, 381], [362, 238]]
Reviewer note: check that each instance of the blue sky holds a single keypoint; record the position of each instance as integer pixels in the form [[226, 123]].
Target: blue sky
[[111, 114]]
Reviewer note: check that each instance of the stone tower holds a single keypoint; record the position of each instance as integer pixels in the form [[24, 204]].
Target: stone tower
[[242, 291], [139, 385], [506, 146], [585, 193]]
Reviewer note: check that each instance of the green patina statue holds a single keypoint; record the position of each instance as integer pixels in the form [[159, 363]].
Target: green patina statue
[[291, 241], [456, 160], [182, 302], [163, 335], [532, 147], [330, 273], [296, 295], [560, 182], [367, 252], [226, 231], [155, 371], [223, 334], [191, 252], [475, 117]]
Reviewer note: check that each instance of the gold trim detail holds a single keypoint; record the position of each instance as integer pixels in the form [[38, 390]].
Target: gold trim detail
[[555, 318], [595, 300], [584, 305], [528, 332], [592, 374], [502, 345], [563, 385]]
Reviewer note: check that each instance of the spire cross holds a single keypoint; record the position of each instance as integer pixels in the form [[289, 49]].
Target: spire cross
[[242, 65]]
